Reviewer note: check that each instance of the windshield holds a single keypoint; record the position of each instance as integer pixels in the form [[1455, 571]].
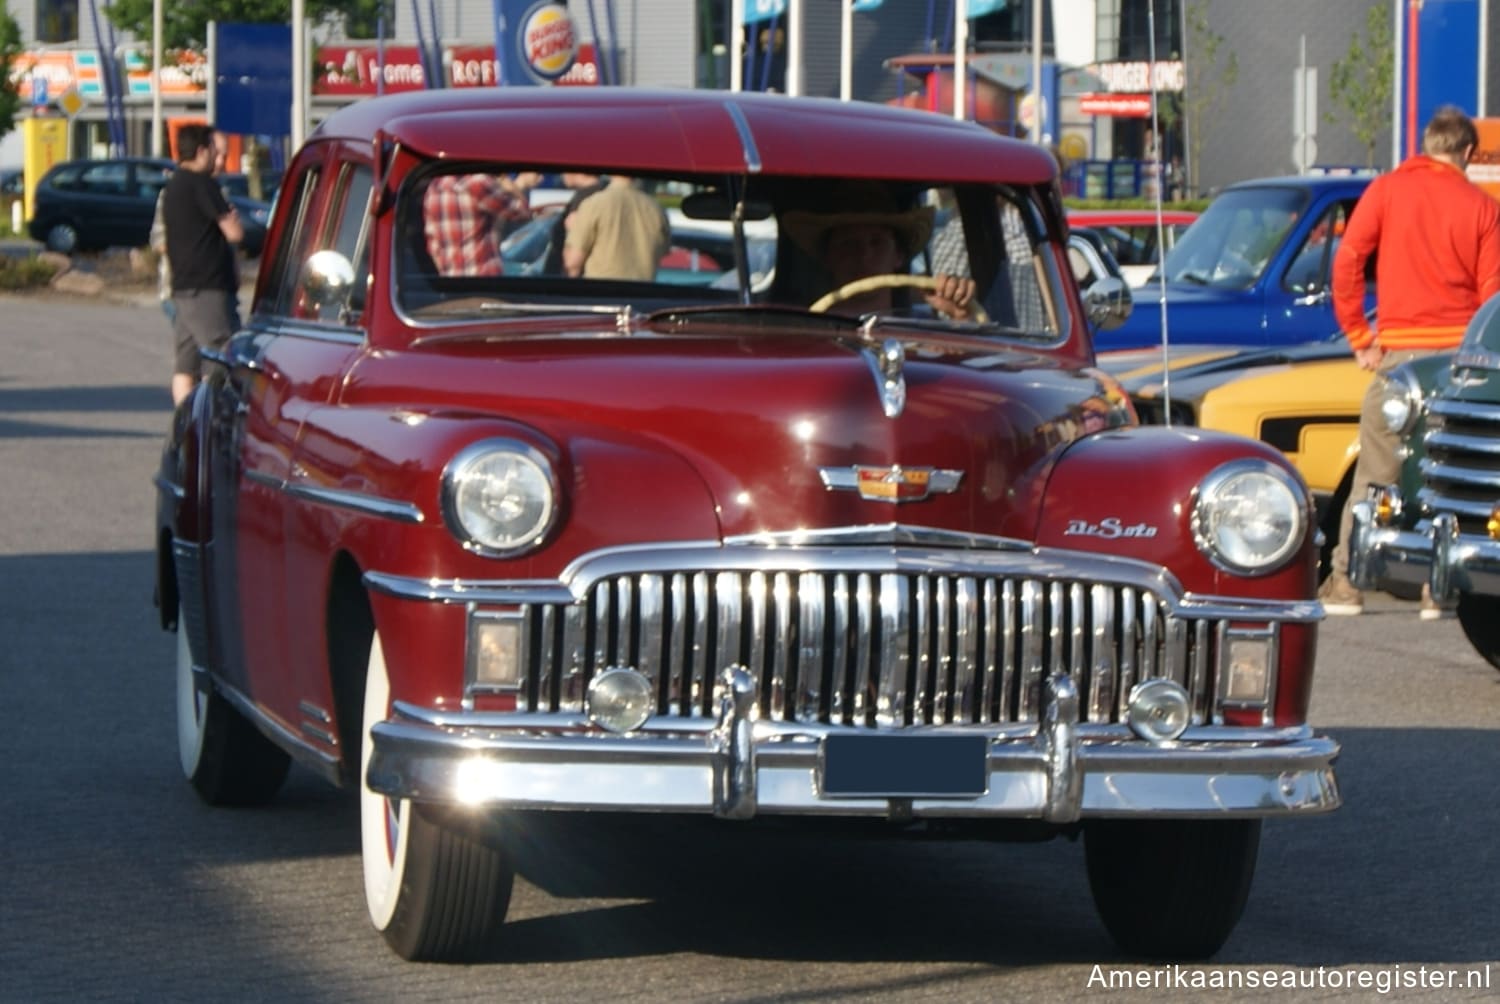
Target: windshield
[[1230, 245], [470, 244]]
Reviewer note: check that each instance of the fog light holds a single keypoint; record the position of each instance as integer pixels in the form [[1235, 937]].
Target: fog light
[[1387, 505], [620, 699], [496, 642], [1249, 670], [1492, 525], [1159, 710]]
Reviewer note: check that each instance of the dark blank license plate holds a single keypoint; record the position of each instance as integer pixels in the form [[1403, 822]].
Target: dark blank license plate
[[886, 766]]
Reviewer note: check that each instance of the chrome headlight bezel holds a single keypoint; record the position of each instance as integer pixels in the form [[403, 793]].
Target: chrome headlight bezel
[[1219, 489], [1400, 400], [539, 485]]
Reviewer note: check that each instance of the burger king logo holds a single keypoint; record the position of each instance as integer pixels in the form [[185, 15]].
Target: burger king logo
[[548, 42]]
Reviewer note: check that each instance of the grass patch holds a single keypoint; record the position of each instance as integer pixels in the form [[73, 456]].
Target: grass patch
[[25, 271]]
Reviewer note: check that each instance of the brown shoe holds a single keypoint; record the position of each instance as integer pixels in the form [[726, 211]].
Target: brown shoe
[[1430, 610], [1340, 598]]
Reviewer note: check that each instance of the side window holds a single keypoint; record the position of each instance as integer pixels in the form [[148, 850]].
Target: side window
[[1311, 270], [281, 294], [105, 179], [150, 179], [350, 239]]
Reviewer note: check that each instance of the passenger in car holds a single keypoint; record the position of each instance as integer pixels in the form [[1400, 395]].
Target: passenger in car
[[464, 215]]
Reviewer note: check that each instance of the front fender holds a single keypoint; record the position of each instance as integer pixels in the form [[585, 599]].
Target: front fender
[[1130, 492]]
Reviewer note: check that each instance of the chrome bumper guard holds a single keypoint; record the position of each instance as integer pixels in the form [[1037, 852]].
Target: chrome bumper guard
[[737, 767], [1435, 553]]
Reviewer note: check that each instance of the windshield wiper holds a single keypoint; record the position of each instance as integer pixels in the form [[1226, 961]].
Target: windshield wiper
[[1196, 278]]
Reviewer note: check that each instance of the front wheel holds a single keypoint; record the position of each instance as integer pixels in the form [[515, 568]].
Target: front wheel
[[1479, 616], [437, 880], [62, 237], [223, 756], [1171, 889]]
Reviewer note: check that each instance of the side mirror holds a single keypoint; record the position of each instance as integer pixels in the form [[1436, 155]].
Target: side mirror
[[326, 279], [1108, 301]]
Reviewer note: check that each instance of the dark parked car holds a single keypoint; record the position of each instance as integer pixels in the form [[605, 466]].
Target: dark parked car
[[476, 544], [89, 205]]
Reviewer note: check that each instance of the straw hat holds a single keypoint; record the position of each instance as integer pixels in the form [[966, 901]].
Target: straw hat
[[912, 228]]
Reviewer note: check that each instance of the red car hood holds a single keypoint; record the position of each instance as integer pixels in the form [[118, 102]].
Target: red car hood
[[786, 433]]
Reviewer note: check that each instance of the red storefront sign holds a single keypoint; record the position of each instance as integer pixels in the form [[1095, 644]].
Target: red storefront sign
[[1135, 106], [353, 70]]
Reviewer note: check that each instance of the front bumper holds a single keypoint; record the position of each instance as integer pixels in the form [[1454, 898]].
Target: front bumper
[[1435, 554], [737, 767]]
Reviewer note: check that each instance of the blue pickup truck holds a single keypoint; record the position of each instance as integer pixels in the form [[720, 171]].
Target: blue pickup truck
[[1252, 270]]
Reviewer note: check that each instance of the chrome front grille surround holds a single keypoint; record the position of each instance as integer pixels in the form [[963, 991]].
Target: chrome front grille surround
[[1461, 472], [870, 649]]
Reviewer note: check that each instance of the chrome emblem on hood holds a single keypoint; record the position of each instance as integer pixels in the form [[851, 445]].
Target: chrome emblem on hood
[[889, 365], [891, 484]]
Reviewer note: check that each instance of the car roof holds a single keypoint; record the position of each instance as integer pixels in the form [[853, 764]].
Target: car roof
[[713, 132], [1313, 182]]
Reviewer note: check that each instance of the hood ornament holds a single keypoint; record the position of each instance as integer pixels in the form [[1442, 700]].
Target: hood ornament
[[888, 362], [891, 484]]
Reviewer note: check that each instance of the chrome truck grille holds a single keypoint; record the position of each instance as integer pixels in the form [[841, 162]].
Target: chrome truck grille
[[870, 648], [1461, 473]]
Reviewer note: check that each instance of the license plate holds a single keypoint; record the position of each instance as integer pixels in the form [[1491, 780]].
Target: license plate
[[896, 766]]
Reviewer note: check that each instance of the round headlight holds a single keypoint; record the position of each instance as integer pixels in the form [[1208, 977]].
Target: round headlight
[[499, 496], [1249, 517], [1400, 399]]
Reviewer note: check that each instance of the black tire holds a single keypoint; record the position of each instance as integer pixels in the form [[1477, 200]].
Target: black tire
[[1171, 889], [62, 237], [1479, 616], [437, 879], [225, 758]]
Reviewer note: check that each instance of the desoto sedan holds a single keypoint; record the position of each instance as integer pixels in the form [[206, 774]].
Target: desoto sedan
[[813, 545]]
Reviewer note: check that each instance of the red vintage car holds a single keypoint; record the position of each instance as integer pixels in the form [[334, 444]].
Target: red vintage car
[[476, 544]]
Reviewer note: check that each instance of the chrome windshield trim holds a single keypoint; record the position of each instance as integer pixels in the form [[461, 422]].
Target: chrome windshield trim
[[372, 505], [1039, 564]]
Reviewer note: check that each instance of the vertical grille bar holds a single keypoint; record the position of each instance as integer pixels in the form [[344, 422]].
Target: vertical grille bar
[[575, 638], [651, 633], [894, 654], [1009, 705], [1102, 673], [1177, 667], [547, 643], [701, 674], [965, 640], [838, 664], [864, 633], [625, 622], [603, 614], [1130, 641], [682, 658], [810, 661], [1150, 637], [989, 617], [782, 655], [922, 657], [756, 629], [1032, 644], [1057, 629], [942, 662], [727, 597]]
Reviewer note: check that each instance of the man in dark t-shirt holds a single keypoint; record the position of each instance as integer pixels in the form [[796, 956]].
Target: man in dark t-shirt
[[202, 231]]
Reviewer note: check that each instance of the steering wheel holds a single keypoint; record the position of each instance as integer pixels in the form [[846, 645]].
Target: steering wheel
[[893, 280]]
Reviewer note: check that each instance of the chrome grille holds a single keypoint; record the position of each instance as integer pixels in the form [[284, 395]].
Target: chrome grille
[[1461, 472], [870, 648]]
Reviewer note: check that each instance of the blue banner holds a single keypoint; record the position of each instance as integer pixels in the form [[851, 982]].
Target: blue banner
[[535, 41], [763, 10]]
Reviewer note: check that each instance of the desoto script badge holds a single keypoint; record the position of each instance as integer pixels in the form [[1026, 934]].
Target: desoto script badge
[[891, 484]]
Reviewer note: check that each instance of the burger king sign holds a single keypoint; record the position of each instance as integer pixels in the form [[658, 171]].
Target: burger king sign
[[547, 42]]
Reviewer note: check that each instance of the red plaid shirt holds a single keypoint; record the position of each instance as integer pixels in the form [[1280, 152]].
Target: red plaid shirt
[[464, 213]]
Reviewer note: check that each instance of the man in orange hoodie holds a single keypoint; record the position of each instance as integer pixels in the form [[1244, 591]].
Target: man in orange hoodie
[[1436, 240]]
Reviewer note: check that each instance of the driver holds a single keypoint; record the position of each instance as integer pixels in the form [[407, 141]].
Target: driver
[[858, 245]]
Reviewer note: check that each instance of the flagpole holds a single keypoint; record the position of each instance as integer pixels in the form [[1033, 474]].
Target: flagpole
[[1038, 108], [737, 45], [960, 59], [794, 25], [846, 50]]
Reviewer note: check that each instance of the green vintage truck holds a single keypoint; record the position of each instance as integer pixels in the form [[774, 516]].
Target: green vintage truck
[[1441, 524]]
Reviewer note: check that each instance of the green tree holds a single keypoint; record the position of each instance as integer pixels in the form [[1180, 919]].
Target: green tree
[[1360, 83], [185, 25], [10, 51], [1205, 80]]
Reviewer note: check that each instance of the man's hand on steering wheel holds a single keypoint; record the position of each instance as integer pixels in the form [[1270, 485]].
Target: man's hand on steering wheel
[[951, 295]]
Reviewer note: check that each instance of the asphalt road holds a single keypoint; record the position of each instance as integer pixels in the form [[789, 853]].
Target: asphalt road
[[118, 885]]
